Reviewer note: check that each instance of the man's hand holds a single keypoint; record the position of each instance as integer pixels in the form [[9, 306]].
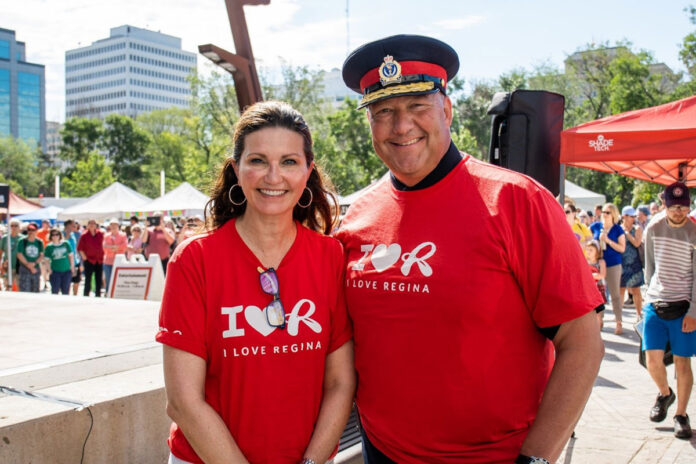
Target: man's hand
[[689, 324], [32, 268]]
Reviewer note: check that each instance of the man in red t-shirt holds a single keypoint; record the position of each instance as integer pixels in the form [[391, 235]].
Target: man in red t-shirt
[[91, 249], [462, 278]]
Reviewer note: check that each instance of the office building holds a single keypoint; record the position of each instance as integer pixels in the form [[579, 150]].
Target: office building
[[22, 92], [53, 142], [132, 71]]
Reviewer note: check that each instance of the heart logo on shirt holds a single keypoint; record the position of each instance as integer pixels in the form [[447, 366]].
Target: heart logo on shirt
[[256, 317], [384, 256]]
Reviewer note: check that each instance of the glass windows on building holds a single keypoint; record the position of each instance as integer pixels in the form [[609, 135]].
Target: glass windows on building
[[29, 106], [4, 102], [5, 49]]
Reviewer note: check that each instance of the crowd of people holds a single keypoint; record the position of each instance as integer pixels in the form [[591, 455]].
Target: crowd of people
[[62, 257], [648, 252]]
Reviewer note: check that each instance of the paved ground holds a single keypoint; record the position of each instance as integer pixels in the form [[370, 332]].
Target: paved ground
[[615, 428]]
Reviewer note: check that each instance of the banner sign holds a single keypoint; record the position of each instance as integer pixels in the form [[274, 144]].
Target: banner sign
[[4, 196], [132, 283]]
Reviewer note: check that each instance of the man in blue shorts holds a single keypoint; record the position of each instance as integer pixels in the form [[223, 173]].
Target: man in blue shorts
[[670, 313]]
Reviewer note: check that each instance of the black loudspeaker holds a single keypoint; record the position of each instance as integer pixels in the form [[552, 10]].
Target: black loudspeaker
[[526, 134]]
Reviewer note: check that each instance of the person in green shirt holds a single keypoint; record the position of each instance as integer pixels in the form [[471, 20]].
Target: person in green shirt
[[29, 254], [60, 253], [11, 263]]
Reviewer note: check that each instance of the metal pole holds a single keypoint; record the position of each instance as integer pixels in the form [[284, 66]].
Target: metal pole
[[9, 251], [162, 182], [57, 190]]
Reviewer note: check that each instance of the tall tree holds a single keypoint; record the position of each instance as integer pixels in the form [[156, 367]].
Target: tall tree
[[80, 137], [18, 166], [346, 151], [125, 145], [89, 176]]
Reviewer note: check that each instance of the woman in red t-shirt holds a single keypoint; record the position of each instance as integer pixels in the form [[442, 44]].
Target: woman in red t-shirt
[[258, 357]]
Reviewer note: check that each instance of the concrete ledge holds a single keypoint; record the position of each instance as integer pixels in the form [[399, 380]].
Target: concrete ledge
[[129, 422], [352, 455]]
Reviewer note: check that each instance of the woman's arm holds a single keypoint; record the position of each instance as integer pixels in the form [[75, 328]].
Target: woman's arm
[[619, 245], [339, 388], [184, 379], [637, 239]]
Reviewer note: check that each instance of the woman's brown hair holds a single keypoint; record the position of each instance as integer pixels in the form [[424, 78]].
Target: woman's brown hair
[[320, 215]]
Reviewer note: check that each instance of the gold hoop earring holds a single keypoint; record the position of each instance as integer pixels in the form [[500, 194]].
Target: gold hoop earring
[[311, 198], [229, 195]]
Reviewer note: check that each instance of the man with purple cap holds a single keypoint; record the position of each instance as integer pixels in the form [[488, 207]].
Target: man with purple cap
[[457, 281], [670, 313]]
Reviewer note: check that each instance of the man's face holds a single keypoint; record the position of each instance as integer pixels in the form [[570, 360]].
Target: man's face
[[92, 226], [411, 133], [677, 214], [45, 225]]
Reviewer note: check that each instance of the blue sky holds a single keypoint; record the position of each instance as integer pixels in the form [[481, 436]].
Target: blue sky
[[491, 37]]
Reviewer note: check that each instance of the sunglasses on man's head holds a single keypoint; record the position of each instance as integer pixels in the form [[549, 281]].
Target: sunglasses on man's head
[[275, 313]]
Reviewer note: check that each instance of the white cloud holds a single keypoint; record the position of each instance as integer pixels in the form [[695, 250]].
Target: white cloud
[[457, 24]]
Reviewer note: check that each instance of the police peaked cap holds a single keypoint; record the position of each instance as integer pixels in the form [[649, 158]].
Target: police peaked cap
[[400, 65]]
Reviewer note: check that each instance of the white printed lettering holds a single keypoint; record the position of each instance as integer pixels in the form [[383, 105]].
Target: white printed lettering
[[412, 258], [232, 312], [360, 265], [294, 319]]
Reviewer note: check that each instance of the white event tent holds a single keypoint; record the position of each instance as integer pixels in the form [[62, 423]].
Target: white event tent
[[184, 200], [113, 201], [583, 198]]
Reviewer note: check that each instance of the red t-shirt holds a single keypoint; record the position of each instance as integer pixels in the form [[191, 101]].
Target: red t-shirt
[[446, 287], [157, 243], [92, 246], [265, 383], [119, 239]]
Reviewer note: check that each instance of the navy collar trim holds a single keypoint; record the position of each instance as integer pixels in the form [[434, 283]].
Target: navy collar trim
[[448, 162]]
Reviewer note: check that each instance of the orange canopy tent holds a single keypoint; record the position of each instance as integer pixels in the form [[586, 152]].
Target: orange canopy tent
[[656, 144], [19, 205]]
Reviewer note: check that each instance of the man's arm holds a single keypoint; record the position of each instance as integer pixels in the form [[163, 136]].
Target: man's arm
[[168, 235], [689, 322], [579, 352]]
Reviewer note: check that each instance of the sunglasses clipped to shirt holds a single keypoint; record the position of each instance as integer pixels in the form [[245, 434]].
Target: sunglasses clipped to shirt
[[275, 313]]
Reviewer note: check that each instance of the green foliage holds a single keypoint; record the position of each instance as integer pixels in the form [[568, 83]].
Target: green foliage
[[89, 176], [470, 113], [80, 137], [18, 166], [125, 145], [687, 50], [346, 150]]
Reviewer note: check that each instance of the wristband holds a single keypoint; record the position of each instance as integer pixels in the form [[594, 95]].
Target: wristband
[[307, 461], [522, 459]]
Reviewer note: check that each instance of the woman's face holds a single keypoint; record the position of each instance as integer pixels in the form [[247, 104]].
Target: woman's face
[[55, 238], [272, 171], [570, 215], [607, 217]]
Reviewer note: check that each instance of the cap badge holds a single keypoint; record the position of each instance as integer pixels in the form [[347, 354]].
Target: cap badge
[[389, 71], [677, 192]]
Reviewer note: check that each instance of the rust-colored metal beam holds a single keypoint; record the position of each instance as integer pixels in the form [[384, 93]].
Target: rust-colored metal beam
[[241, 64]]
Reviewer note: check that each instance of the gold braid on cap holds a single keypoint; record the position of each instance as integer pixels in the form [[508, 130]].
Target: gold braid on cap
[[395, 90]]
